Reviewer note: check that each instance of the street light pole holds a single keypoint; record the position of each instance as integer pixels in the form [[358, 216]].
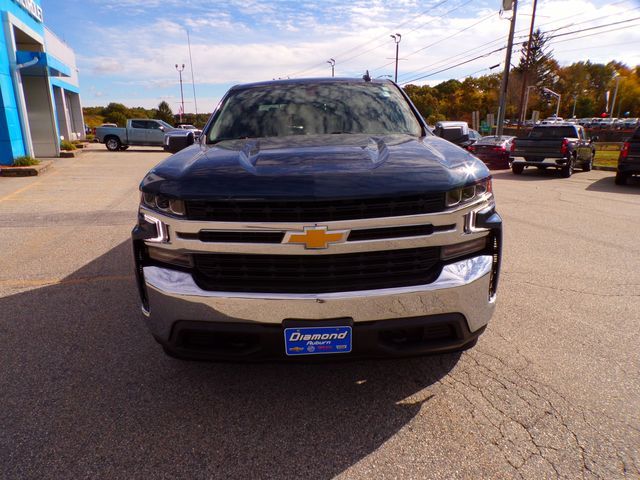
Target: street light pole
[[180, 70], [332, 62], [526, 104], [396, 38], [505, 73], [575, 101]]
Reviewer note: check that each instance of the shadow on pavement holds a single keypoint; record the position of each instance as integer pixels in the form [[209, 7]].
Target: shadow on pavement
[[529, 174], [86, 392], [608, 185]]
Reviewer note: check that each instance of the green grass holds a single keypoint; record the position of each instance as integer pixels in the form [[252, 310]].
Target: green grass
[[25, 161], [66, 145], [606, 158]]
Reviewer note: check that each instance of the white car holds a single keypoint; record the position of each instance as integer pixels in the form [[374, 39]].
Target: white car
[[196, 131]]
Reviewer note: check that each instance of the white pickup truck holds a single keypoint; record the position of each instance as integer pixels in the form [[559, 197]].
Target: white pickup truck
[[143, 132]]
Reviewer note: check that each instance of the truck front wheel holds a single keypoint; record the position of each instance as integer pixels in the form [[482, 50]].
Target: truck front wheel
[[517, 169], [588, 165], [113, 144]]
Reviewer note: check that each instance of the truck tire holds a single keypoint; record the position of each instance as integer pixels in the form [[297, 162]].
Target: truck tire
[[621, 178], [588, 165], [113, 144], [567, 171], [517, 169]]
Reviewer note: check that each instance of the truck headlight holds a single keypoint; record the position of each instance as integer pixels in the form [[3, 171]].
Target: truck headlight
[[463, 195], [163, 204]]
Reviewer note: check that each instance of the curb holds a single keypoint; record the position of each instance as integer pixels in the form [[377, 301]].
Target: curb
[[29, 171], [606, 169], [68, 154]]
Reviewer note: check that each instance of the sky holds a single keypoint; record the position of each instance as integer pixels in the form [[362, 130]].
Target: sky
[[126, 50]]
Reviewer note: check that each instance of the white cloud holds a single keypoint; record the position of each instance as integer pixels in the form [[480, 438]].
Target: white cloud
[[276, 39]]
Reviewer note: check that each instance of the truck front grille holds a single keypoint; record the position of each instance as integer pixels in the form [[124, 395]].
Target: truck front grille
[[313, 211], [316, 273]]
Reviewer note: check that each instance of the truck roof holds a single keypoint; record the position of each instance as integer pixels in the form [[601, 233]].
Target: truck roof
[[303, 81]]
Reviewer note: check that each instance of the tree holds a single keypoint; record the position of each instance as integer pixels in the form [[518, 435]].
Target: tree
[[541, 66], [118, 118], [164, 113]]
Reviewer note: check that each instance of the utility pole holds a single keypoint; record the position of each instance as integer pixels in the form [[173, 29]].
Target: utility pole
[[180, 70], [332, 62], [396, 38], [522, 113], [505, 74]]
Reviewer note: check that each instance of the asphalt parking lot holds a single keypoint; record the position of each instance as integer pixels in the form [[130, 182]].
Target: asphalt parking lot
[[552, 390]]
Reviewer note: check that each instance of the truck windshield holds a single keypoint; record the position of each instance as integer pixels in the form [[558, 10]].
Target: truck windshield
[[314, 109], [553, 132]]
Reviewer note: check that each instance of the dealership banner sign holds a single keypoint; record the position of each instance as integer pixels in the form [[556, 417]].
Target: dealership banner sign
[[32, 7]]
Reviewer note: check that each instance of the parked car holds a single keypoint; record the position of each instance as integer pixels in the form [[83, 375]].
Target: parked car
[[552, 120], [196, 131], [629, 159], [146, 132], [493, 150], [562, 147], [474, 136], [454, 131], [302, 218]]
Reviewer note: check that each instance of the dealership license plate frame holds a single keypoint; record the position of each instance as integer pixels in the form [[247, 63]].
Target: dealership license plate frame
[[318, 346]]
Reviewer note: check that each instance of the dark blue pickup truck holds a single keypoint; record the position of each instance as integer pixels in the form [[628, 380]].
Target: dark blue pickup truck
[[316, 218], [629, 159]]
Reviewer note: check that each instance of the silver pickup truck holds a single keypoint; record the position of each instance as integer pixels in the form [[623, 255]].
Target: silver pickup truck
[[143, 132]]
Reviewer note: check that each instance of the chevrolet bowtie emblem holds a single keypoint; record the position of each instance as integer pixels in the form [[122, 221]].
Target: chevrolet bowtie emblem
[[316, 237]]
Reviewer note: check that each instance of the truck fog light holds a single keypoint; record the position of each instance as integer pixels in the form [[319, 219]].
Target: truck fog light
[[169, 256], [465, 248]]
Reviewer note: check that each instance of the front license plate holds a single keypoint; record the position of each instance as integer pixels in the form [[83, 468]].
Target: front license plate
[[317, 340]]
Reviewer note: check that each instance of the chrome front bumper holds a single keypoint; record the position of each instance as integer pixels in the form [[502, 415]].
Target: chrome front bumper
[[462, 287], [556, 162]]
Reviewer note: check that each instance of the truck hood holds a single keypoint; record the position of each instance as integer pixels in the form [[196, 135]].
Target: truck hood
[[315, 167]]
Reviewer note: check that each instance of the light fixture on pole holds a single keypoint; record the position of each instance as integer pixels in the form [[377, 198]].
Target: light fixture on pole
[[396, 38], [332, 62], [180, 69]]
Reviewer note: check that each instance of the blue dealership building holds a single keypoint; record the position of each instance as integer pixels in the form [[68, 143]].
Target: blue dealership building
[[39, 88]]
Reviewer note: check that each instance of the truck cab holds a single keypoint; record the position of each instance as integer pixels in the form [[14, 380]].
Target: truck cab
[[140, 132], [561, 146]]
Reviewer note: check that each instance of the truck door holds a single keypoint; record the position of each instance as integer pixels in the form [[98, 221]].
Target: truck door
[[155, 134], [583, 150], [137, 133]]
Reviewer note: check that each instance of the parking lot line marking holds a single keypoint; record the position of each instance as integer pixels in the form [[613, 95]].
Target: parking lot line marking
[[26, 187]]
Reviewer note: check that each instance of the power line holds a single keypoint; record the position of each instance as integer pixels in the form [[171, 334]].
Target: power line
[[494, 51], [342, 60], [441, 40], [454, 66], [443, 62]]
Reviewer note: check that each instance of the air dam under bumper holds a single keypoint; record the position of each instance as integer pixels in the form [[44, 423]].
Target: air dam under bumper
[[458, 297]]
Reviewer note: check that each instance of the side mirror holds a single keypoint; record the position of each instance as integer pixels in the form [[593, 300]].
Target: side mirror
[[177, 140]]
